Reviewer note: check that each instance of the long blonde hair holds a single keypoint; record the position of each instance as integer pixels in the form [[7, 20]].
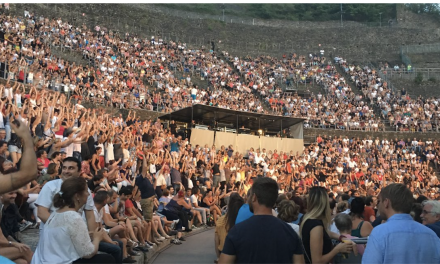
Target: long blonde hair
[[318, 207]]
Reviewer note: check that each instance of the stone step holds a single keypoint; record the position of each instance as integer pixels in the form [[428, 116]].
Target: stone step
[[30, 237]]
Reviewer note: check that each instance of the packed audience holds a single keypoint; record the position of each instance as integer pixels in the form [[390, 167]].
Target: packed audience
[[108, 188], [124, 69], [397, 108]]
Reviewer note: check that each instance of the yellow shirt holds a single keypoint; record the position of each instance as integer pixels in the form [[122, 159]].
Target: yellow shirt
[[220, 230]]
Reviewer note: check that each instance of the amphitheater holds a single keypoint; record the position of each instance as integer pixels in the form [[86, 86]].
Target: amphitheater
[[411, 39]]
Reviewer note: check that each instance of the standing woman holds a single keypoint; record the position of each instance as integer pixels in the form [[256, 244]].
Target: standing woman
[[362, 228], [226, 222], [66, 229], [315, 229]]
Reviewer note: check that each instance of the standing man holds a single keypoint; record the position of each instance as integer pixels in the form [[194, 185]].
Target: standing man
[[400, 239], [145, 183], [262, 238], [173, 128], [431, 215]]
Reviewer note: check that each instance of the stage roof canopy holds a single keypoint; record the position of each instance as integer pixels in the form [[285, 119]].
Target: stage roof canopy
[[207, 114]]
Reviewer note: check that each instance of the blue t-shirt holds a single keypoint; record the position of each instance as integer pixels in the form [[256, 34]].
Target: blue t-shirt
[[297, 220], [174, 146], [243, 214], [4, 260]]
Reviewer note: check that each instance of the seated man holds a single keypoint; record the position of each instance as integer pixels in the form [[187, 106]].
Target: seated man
[[123, 229], [113, 247], [11, 222], [17, 252]]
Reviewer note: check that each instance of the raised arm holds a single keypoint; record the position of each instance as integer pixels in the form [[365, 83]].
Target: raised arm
[[28, 167]]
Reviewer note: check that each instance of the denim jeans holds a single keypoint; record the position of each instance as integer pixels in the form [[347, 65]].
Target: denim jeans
[[176, 187], [8, 132], [115, 251]]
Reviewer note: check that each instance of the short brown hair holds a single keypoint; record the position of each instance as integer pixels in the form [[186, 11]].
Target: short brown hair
[[400, 197], [288, 211]]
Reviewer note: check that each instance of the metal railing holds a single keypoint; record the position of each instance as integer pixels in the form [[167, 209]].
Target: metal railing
[[382, 126], [422, 48], [426, 73]]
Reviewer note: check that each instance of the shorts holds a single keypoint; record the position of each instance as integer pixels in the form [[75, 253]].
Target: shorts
[[147, 206], [13, 148], [216, 180]]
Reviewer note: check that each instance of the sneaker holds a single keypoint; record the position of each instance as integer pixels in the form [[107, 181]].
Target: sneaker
[[176, 242], [24, 226], [35, 226], [133, 253], [143, 249], [128, 260], [161, 238], [182, 239]]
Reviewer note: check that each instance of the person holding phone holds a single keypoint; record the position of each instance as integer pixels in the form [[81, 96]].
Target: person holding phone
[[66, 229]]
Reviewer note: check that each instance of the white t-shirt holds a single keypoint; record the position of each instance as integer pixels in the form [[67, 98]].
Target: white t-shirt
[[295, 227], [98, 215], [160, 180], [45, 198], [194, 200], [152, 168], [68, 149], [64, 240]]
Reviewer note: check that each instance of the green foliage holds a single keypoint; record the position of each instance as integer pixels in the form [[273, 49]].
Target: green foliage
[[423, 8], [419, 78], [297, 12], [432, 79]]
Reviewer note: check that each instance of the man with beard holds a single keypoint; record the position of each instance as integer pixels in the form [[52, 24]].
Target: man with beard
[[262, 238], [400, 239]]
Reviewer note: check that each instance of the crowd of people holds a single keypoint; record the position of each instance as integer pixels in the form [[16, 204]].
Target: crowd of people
[[398, 109], [129, 72], [104, 188]]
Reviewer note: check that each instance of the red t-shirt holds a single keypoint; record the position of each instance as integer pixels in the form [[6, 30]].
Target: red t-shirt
[[128, 204], [45, 162]]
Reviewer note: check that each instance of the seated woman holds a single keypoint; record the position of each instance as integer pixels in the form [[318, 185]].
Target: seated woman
[[66, 229], [210, 202], [195, 204], [173, 211]]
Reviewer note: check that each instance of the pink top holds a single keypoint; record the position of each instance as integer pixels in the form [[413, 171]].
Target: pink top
[[360, 248]]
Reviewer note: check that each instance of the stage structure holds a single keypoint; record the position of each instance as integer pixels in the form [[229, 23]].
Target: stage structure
[[243, 130]]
